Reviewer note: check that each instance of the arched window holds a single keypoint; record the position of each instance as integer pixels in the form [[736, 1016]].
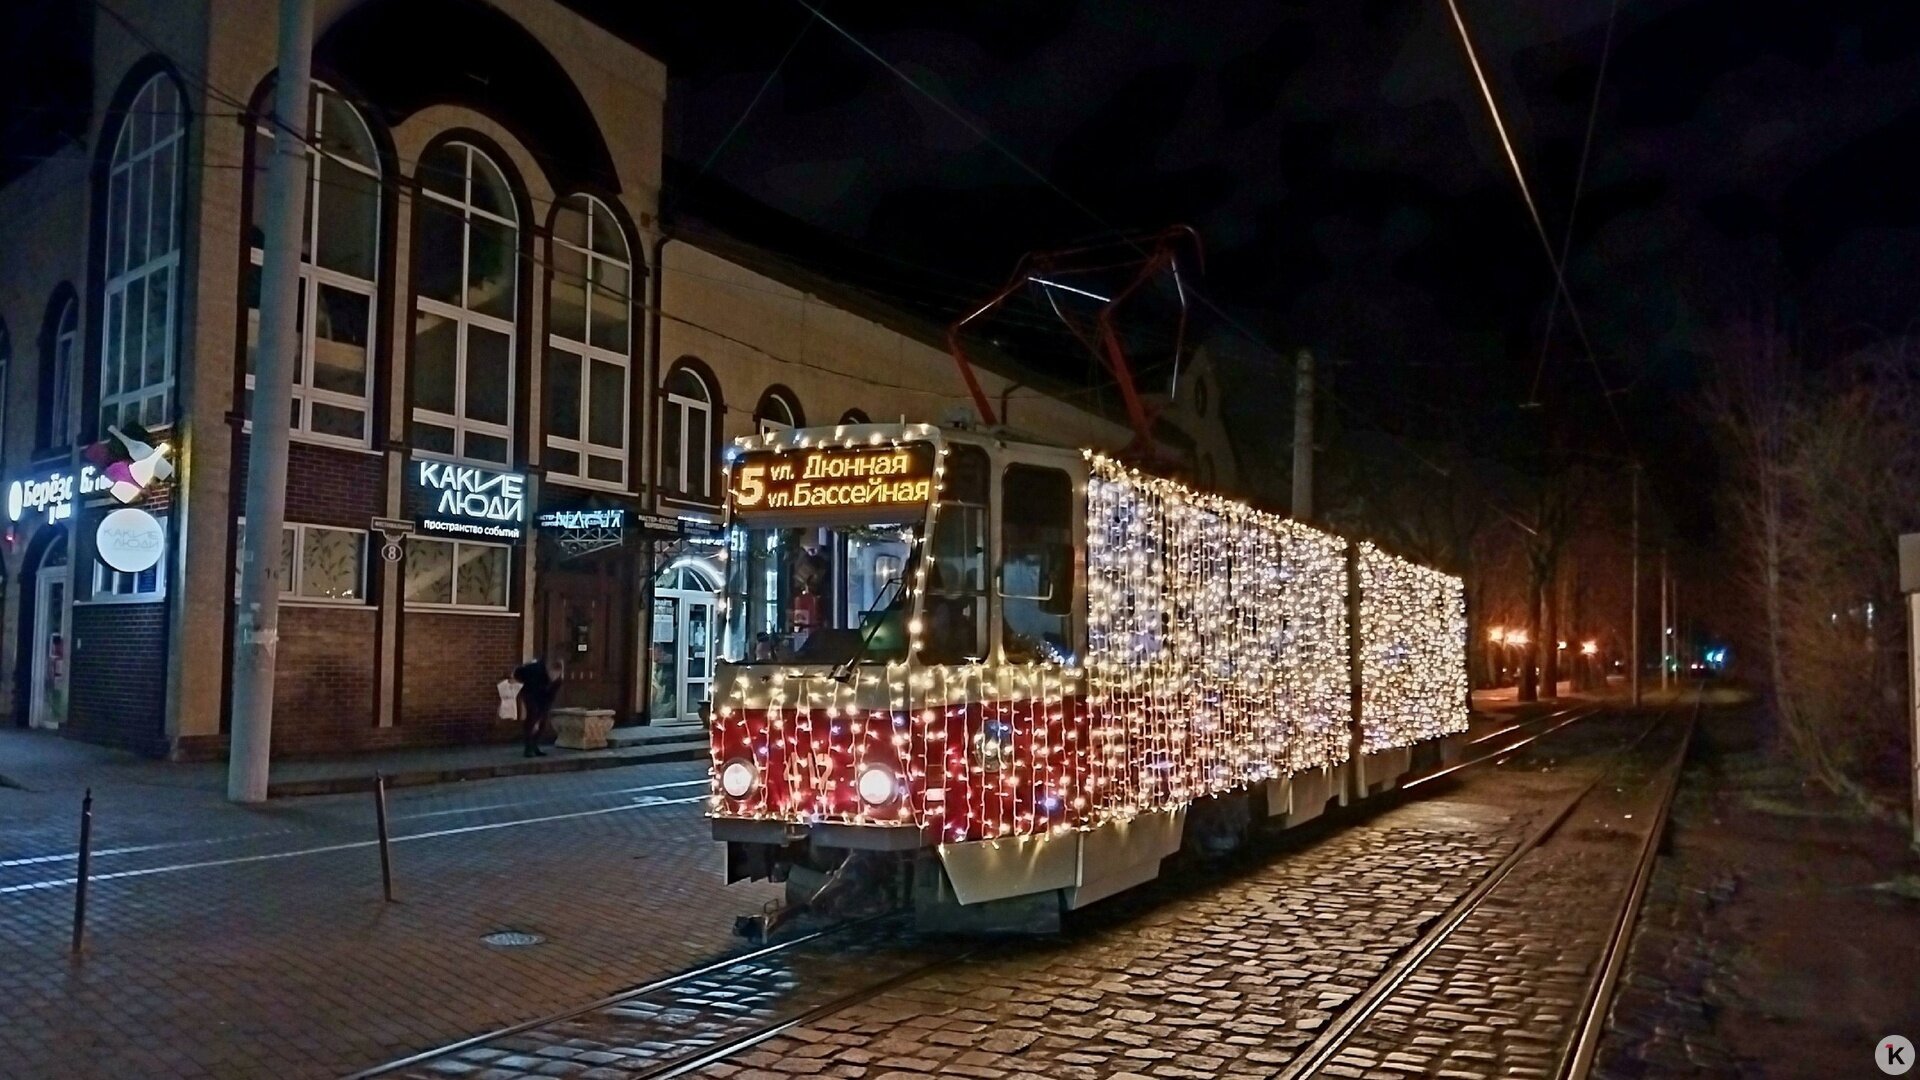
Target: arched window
[[142, 260], [339, 268], [777, 411], [466, 272], [61, 345], [6, 373], [688, 435], [589, 343], [853, 416]]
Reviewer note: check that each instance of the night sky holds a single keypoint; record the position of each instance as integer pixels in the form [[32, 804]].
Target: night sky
[[1747, 158]]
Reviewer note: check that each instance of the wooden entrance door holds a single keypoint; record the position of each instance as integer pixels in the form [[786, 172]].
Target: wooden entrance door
[[583, 626]]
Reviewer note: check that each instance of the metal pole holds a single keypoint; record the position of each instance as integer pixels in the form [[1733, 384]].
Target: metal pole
[[1303, 437], [1665, 613], [380, 818], [1634, 665], [257, 629], [84, 870], [1913, 700]]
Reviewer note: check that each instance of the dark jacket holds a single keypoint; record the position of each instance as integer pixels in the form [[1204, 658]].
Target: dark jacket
[[537, 687]]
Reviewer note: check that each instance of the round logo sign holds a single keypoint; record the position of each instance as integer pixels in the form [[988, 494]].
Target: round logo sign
[[16, 500], [130, 540], [1894, 1055]]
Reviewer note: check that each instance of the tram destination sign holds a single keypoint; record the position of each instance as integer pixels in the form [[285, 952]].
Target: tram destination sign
[[834, 478]]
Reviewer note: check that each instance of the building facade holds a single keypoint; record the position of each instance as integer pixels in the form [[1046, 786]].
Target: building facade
[[512, 390]]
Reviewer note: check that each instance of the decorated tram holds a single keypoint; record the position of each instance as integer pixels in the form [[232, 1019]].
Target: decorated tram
[[1009, 679]]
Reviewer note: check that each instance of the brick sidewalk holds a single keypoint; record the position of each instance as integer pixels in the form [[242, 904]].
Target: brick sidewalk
[[291, 966]]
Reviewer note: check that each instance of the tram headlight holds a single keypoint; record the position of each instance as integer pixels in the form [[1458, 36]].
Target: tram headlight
[[877, 785], [737, 778]]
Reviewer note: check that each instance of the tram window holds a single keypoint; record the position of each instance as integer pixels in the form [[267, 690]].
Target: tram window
[[820, 594], [1036, 584], [955, 602]]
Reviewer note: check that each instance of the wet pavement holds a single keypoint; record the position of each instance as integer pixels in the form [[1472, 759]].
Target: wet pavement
[[1216, 971]]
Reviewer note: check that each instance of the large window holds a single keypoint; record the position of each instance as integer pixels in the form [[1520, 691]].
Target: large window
[[142, 260], [466, 272], [777, 411], [1036, 565], [318, 563], [56, 396], [339, 273], [456, 573], [589, 341], [688, 437], [956, 579]]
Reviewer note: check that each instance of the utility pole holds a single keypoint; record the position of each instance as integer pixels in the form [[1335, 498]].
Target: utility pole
[[1303, 436], [1634, 665], [1666, 612], [257, 627]]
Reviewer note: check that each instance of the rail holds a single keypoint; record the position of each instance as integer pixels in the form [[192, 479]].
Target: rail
[[1321, 1052]]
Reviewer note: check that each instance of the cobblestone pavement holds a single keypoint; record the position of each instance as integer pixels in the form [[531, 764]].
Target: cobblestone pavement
[[1504, 992], [1212, 972], [235, 942]]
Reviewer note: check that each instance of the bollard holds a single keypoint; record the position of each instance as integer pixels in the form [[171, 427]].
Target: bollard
[[85, 867], [380, 816]]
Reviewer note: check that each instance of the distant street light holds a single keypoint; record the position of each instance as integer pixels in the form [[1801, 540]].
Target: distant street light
[[1590, 648]]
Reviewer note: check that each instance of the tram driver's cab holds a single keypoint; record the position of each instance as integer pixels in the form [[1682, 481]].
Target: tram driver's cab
[[848, 545]]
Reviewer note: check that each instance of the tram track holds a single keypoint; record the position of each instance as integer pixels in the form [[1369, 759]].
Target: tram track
[[747, 1035], [1576, 1055], [664, 985]]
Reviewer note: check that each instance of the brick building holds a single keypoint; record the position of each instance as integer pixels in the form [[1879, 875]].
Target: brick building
[[503, 347]]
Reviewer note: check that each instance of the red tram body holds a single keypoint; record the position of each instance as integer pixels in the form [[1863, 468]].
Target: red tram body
[[1035, 673]]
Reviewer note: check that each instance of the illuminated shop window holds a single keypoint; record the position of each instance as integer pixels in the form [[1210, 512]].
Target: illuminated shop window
[[457, 574], [466, 275], [142, 260], [589, 341], [339, 273]]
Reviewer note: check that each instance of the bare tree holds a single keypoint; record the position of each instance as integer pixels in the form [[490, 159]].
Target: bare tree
[[1822, 477]]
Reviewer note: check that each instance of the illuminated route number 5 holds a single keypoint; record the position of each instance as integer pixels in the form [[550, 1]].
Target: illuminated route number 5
[[749, 489]]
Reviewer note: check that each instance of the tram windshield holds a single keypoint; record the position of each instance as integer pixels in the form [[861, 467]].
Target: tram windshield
[[819, 594]]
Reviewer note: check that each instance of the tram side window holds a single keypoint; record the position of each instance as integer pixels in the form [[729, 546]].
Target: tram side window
[[955, 603], [1036, 583]]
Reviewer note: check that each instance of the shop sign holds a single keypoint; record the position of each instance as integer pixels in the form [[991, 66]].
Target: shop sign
[[53, 494], [614, 518], [468, 501], [834, 478], [130, 540]]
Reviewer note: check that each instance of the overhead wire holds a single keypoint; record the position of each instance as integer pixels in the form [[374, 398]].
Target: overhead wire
[[1533, 213], [1579, 188]]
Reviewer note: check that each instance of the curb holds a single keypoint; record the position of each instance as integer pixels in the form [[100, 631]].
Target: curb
[[340, 785]]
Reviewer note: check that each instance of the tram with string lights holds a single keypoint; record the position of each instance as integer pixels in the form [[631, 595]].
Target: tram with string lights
[[1000, 680]]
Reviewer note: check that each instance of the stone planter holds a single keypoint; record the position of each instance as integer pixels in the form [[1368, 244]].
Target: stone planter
[[581, 729]]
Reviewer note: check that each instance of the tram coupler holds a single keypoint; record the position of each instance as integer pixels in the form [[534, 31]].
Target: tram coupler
[[864, 879]]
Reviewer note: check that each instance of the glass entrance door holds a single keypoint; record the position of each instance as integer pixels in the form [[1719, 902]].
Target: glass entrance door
[[696, 655], [49, 705]]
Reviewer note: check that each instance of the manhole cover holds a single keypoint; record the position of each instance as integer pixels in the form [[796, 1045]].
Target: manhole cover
[[512, 939]]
